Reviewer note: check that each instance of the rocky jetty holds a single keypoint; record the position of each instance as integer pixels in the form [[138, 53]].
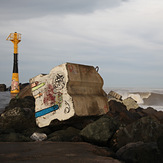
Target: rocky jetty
[[126, 132]]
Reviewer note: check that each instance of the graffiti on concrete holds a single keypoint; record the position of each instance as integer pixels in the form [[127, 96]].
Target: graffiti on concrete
[[67, 108], [72, 69], [38, 95], [46, 111], [68, 90], [51, 97], [36, 85], [59, 82]]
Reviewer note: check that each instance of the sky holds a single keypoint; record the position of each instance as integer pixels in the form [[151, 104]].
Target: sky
[[124, 38]]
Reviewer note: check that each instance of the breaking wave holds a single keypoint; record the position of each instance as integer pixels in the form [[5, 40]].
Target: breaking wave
[[145, 98]]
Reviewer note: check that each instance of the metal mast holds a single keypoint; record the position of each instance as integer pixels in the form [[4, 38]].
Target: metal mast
[[15, 38]]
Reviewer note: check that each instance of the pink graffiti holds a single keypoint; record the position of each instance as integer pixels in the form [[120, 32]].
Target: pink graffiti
[[49, 98]]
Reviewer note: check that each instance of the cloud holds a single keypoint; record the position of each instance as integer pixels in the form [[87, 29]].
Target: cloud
[[19, 9], [123, 38]]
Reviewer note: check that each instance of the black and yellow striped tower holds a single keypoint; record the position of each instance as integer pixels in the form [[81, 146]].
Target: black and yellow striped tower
[[15, 38]]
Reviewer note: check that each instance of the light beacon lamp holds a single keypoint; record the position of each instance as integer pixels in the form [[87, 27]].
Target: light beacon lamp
[[15, 38]]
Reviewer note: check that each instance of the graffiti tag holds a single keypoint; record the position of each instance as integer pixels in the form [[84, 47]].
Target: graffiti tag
[[59, 82]]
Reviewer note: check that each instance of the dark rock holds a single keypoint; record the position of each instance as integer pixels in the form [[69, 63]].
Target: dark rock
[[140, 152], [2, 87], [149, 112], [146, 129], [13, 137], [119, 111], [27, 102], [159, 116], [116, 107], [160, 143], [18, 119], [138, 111], [76, 122], [22, 86], [100, 131], [103, 151], [25, 91], [70, 134]]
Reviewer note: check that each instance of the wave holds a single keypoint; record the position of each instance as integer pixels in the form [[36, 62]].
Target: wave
[[144, 97]]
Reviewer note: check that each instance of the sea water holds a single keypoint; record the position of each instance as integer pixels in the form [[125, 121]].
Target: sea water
[[4, 100], [144, 97]]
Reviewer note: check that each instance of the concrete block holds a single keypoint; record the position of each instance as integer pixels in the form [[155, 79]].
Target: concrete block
[[68, 90]]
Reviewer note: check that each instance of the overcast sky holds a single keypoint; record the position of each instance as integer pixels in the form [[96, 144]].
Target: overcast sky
[[123, 37]]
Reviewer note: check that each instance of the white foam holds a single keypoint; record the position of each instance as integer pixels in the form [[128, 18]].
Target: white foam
[[137, 98]]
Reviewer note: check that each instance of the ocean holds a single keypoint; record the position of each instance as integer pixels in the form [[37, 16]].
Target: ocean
[[144, 97], [4, 100]]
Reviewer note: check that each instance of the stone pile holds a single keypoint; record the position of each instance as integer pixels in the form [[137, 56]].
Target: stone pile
[[130, 135]]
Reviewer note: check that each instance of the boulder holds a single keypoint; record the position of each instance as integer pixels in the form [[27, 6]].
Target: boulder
[[130, 103], [149, 112], [2, 87], [119, 111], [140, 152], [69, 134], [25, 90], [18, 115], [100, 131], [160, 143], [18, 119], [146, 129], [27, 102], [68, 90], [13, 137]]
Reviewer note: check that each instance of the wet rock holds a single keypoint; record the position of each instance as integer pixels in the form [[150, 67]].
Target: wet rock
[[13, 137], [69, 134], [130, 103], [140, 152], [25, 91], [76, 122], [119, 111], [2, 87], [160, 144], [149, 112], [146, 129], [100, 131], [18, 119], [27, 102]]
